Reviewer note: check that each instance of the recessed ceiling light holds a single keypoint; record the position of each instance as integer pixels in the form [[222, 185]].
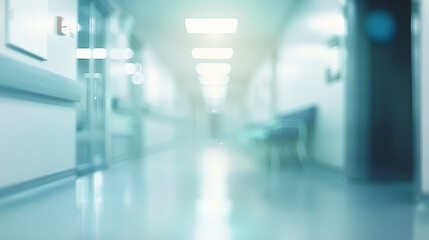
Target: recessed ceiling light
[[215, 88], [212, 53], [213, 68], [213, 79], [211, 25], [209, 95]]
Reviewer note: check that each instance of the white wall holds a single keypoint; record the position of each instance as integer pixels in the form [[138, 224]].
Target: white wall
[[61, 49], [159, 94], [159, 84], [260, 93], [37, 138], [300, 77], [121, 128], [157, 90], [424, 96]]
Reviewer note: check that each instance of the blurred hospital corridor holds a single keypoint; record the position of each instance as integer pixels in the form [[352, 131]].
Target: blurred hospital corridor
[[214, 119]]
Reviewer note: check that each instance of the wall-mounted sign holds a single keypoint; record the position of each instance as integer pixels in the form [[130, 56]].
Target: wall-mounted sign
[[65, 27]]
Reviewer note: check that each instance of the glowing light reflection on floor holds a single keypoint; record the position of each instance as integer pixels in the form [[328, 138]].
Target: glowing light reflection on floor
[[213, 208]]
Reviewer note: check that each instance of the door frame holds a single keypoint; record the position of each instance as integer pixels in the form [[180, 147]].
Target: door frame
[[106, 10]]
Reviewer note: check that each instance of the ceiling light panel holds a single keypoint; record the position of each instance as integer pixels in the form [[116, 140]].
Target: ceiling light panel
[[217, 69], [212, 53], [215, 88], [211, 25], [213, 79]]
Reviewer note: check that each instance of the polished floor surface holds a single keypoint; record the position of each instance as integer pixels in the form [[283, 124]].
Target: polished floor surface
[[217, 193]]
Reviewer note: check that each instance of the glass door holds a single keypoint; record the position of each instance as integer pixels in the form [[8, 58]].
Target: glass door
[[91, 122]]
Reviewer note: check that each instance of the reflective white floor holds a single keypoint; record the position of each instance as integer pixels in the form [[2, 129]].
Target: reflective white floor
[[216, 193]]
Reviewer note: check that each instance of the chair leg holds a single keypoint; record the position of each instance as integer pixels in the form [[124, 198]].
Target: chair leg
[[301, 150], [274, 156]]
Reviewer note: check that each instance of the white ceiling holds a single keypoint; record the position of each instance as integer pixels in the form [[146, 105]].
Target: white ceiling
[[160, 24]]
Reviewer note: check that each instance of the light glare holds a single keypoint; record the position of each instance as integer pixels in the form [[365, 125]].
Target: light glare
[[332, 24], [83, 53], [128, 53], [99, 53], [129, 68], [137, 78]]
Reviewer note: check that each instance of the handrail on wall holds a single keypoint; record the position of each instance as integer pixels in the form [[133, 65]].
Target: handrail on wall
[[24, 77]]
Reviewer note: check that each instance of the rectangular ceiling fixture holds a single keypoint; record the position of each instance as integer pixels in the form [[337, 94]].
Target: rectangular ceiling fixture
[[213, 68], [212, 53], [215, 88], [211, 25], [213, 79]]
